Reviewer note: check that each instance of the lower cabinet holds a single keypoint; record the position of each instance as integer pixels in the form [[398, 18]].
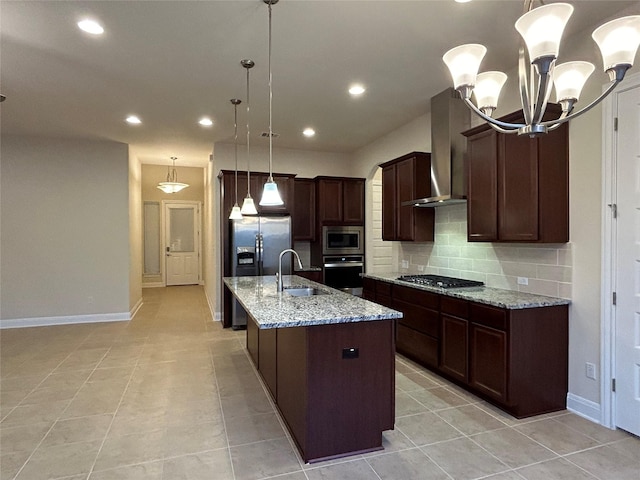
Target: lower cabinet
[[514, 358]]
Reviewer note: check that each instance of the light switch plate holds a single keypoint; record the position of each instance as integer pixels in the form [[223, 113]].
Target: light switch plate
[[405, 264], [523, 281]]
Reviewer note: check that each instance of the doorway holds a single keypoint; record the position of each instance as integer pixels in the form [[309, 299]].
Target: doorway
[[181, 242], [621, 260]]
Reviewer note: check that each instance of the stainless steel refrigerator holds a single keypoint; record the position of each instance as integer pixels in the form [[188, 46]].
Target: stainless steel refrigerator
[[256, 243]]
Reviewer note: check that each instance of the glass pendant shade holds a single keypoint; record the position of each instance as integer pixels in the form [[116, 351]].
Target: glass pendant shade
[[248, 207], [270, 194], [618, 41], [542, 27], [464, 62], [569, 79], [235, 213], [487, 89], [171, 187]]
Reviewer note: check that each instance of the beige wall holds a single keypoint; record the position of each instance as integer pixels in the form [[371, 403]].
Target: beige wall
[[65, 229], [135, 233], [152, 174]]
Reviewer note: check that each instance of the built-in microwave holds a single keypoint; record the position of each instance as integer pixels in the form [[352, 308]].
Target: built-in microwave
[[342, 240]]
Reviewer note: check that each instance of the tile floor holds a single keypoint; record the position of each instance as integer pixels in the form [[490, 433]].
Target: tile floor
[[171, 395]]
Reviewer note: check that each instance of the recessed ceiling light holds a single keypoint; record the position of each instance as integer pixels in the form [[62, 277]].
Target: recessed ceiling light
[[90, 26], [308, 132], [133, 119], [463, 1], [356, 89], [205, 122]]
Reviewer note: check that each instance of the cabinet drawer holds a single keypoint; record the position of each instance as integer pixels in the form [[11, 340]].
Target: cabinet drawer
[[489, 316], [418, 318], [416, 296], [383, 288], [417, 346], [455, 307]]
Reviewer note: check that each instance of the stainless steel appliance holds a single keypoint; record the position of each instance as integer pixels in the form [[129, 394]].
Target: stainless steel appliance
[[343, 240], [256, 243], [344, 273], [440, 281]]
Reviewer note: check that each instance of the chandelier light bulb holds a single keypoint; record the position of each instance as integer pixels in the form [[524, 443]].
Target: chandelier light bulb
[[569, 79], [618, 41], [487, 89], [464, 62], [542, 27]]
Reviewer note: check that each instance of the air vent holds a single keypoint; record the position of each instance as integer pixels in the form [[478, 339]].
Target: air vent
[[266, 134]]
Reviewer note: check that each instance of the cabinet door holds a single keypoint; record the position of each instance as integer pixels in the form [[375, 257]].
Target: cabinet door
[[454, 347], [304, 210], [285, 189], [518, 188], [389, 203], [405, 181], [482, 195], [488, 352], [329, 200], [353, 201]]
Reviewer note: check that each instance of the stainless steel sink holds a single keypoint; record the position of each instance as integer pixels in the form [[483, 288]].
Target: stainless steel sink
[[303, 291]]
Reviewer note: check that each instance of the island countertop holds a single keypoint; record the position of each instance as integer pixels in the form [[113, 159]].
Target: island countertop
[[497, 297], [273, 309]]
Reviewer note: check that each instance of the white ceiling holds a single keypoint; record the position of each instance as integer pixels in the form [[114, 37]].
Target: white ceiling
[[172, 62]]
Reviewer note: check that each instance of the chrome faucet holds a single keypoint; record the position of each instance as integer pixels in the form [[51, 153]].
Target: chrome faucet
[[279, 274]]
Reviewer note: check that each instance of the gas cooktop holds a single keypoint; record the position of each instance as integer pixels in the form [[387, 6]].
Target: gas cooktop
[[440, 281]]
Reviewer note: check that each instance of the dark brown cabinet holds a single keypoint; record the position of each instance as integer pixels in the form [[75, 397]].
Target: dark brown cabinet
[[518, 187], [340, 200], [304, 210], [514, 358], [403, 179], [257, 181]]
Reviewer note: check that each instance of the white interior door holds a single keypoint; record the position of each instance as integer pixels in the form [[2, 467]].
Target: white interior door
[[182, 243], [627, 263]]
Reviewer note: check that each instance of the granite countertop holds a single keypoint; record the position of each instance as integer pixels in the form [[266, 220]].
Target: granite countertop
[[497, 297], [273, 309]]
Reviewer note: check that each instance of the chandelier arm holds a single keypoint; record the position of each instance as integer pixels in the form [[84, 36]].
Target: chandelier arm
[[509, 127], [524, 89], [553, 124], [543, 96]]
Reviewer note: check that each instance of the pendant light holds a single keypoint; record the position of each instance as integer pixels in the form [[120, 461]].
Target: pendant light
[[270, 194], [235, 211], [248, 206], [172, 185]]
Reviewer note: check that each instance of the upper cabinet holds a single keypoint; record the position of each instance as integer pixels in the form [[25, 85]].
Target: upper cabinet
[[304, 210], [518, 187], [257, 180], [340, 200], [403, 179]]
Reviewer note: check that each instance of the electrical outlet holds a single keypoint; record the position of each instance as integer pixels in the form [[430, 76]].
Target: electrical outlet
[[523, 281], [421, 268], [591, 370], [405, 264]]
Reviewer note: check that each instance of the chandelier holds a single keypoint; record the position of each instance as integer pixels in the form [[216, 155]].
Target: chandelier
[[172, 185], [541, 29]]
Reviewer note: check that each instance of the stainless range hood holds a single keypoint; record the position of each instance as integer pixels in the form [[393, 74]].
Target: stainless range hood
[[449, 117]]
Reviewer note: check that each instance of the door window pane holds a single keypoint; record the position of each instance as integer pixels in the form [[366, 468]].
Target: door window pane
[[181, 230]]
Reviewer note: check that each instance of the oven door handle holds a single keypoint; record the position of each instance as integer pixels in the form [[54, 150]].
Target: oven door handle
[[344, 265]]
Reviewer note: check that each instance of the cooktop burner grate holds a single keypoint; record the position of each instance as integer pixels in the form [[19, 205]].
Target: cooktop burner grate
[[440, 281]]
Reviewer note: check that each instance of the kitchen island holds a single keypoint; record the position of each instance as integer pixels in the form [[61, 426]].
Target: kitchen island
[[327, 359]]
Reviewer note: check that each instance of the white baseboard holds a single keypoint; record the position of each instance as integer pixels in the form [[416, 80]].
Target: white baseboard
[[135, 308], [64, 320], [216, 316], [583, 407], [153, 285]]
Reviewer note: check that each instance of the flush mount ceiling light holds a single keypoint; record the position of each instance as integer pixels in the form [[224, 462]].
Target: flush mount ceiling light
[[134, 120], [90, 26], [308, 132], [236, 214], [356, 90], [270, 194], [248, 205], [205, 122], [541, 29], [172, 185]]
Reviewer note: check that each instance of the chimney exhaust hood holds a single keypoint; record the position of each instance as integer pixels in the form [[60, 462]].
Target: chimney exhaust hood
[[449, 117]]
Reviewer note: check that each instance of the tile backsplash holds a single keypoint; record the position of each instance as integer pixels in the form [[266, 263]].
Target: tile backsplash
[[543, 269]]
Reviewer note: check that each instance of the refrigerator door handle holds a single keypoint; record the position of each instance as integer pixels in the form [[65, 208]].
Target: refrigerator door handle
[[258, 246]]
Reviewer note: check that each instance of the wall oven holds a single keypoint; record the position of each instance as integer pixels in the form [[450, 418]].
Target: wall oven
[[343, 240], [344, 273]]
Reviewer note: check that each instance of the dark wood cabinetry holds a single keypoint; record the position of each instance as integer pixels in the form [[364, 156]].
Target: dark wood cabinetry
[[304, 210], [403, 179], [257, 180], [515, 358], [518, 187], [340, 201]]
